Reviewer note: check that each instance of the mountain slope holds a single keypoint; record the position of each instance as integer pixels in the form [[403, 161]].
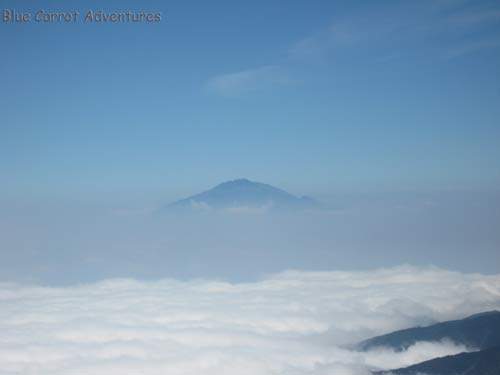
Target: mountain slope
[[484, 362], [479, 331], [242, 194]]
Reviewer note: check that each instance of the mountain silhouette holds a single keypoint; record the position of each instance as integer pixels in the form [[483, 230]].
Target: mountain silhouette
[[242, 195]]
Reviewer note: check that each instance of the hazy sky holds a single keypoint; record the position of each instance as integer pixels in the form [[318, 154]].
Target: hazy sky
[[313, 97]]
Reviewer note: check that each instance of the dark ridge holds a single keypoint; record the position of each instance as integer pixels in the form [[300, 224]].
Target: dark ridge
[[484, 362], [480, 331]]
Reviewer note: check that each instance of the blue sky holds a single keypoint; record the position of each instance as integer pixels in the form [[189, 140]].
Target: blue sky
[[315, 97], [388, 111]]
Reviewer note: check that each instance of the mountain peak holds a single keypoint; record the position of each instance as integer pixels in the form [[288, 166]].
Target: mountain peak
[[237, 182], [243, 194]]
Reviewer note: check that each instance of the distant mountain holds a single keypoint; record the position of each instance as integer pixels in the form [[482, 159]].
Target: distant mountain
[[484, 362], [242, 195], [480, 331]]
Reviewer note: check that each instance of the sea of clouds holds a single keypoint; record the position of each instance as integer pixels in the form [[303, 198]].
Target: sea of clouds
[[291, 323]]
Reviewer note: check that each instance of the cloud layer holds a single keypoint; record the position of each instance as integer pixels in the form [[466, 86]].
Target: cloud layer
[[290, 323]]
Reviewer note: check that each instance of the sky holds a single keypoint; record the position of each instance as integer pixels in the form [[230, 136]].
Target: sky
[[387, 112], [315, 97]]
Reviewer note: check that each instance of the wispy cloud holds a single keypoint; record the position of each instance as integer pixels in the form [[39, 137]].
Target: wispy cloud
[[474, 18], [248, 80], [429, 29], [408, 28], [289, 323], [471, 47], [355, 31]]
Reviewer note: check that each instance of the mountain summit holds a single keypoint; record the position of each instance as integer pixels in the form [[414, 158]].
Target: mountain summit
[[243, 195]]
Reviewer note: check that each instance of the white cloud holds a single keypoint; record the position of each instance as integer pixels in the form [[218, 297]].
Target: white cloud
[[290, 323], [248, 80], [419, 352]]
